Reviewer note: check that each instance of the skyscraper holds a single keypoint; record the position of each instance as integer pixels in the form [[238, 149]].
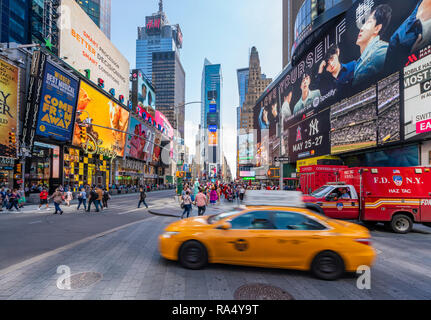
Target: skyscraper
[[156, 36], [257, 82], [242, 75], [100, 12], [169, 82], [211, 87]]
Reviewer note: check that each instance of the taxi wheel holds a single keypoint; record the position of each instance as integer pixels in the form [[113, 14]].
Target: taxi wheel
[[401, 224], [327, 265], [193, 255]]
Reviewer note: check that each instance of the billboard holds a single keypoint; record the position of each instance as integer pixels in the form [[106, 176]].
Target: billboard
[[143, 94], [9, 102], [87, 48], [417, 95], [58, 104], [138, 141], [95, 109], [246, 148], [157, 147], [364, 48], [212, 139], [164, 123]]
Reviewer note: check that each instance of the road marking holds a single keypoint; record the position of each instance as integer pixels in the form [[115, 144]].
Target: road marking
[[39, 221], [64, 248]]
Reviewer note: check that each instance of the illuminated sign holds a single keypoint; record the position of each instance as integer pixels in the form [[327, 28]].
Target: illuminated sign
[[212, 128], [153, 24], [212, 107]]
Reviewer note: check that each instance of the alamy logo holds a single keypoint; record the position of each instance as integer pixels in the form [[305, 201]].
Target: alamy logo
[[63, 282], [364, 279]]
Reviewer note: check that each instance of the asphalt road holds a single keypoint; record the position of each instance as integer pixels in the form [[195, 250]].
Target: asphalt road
[[129, 265], [28, 234]]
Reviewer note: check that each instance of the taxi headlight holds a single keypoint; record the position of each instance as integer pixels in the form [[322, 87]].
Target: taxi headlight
[[169, 234]]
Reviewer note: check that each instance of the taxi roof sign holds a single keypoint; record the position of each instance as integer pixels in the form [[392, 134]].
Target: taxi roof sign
[[274, 198]]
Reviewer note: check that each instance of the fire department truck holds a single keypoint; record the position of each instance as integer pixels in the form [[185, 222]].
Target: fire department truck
[[315, 176], [398, 197]]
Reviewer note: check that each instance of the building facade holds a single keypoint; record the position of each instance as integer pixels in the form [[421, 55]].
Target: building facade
[[169, 82], [100, 12], [257, 83], [211, 88]]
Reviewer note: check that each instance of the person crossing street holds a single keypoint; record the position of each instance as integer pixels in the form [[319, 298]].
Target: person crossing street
[[142, 197], [57, 196]]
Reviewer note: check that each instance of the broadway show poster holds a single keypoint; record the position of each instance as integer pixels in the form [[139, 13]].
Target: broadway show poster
[[95, 116], [137, 140], [58, 103], [8, 108]]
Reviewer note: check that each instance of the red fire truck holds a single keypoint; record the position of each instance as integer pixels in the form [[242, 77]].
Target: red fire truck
[[398, 197], [315, 176]]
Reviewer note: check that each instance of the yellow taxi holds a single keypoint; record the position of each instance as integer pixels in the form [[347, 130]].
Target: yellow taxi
[[290, 237]]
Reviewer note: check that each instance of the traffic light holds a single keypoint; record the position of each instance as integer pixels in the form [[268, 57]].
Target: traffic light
[[12, 138]]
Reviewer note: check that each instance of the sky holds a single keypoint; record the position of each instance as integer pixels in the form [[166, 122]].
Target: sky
[[223, 31]]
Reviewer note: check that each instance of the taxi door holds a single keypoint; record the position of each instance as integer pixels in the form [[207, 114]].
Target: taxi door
[[245, 242], [295, 239], [338, 208]]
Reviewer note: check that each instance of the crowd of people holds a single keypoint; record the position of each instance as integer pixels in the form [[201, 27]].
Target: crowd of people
[[388, 126], [356, 116], [12, 199], [202, 195], [365, 132]]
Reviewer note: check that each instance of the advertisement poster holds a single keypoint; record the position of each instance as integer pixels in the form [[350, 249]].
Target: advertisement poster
[[137, 146], [417, 95], [157, 147], [212, 139], [310, 137], [246, 148], [360, 49], [143, 94], [87, 48], [354, 122], [95, 109], [58, 103], [9, 88]]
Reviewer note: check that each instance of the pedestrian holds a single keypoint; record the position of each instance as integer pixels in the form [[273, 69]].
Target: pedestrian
[[142, 197], [201, 202], [43, 198], [82, 198], [106, 197], [241, 193], [68, 197], [92, 199], [99, 199], [57, 196], [13, 200], [187, 201], [213, 195]]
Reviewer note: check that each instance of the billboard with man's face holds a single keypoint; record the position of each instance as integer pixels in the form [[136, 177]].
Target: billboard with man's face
[[366, 47]]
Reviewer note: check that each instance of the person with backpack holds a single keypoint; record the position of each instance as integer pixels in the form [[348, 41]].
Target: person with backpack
[[82, 198], [57, 196], [106, 196], [43, 196], [201, 201], [142, 197], [92, 199]]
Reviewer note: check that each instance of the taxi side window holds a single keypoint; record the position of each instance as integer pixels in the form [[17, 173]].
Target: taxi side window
[[253, 220], [295, 221]]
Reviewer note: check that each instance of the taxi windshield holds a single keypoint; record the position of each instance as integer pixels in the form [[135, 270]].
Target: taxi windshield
[[322, 191], [217, 217]]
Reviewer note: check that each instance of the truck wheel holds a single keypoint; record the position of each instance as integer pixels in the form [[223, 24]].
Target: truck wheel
[[193, 255], [327, 265], [401, 224]]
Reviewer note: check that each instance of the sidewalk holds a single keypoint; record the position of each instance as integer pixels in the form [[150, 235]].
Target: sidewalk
[[29, 208]]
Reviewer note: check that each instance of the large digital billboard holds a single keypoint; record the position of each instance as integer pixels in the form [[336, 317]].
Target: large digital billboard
[[139, 140], [417, 95], [246, 148], [89, 51], [143, 94], [9, 101], [100, 124], [357, 55], [58, 104]]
